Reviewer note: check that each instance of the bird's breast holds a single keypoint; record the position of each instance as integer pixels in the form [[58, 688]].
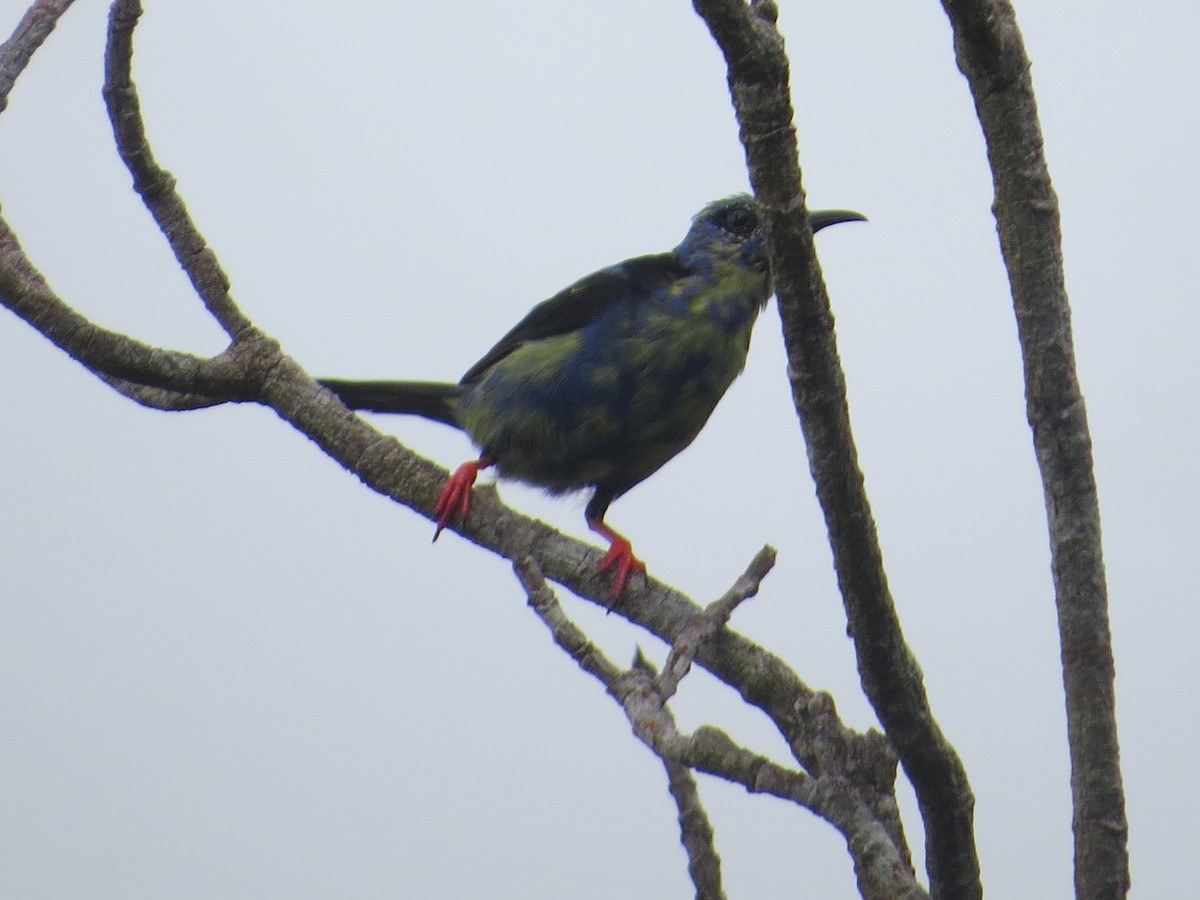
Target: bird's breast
[[619, 397]]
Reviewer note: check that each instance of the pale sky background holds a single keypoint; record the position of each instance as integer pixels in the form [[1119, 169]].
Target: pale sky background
[[229, 670]]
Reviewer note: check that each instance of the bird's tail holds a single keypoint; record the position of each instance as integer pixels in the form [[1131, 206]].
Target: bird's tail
[[430, 399]]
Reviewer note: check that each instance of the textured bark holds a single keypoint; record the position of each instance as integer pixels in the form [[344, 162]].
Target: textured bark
[[891, 678], [882, 870], [991, 54], [695, 833], [33, 29], [156, 185]]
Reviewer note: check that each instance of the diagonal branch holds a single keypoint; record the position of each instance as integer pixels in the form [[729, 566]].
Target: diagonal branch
[[881, 871], [715, 617], [991, 54], [33, 29], [891, 678]]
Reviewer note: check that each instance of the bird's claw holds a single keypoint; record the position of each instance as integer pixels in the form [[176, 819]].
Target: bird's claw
[[620, 557], [456, 495]]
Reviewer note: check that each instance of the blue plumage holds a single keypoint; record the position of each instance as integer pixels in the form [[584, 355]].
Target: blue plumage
[[606, 381]]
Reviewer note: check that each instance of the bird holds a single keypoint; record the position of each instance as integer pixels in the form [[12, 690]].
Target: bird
[[602, 384]]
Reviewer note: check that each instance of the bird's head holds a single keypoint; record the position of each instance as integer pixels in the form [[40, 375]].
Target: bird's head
[[729, 231], [726, 231]]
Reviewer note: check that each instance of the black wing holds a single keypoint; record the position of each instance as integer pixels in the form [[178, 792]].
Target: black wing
[[582, 303]]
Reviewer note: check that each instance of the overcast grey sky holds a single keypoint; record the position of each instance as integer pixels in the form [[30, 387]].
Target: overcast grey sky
[[228, 669]]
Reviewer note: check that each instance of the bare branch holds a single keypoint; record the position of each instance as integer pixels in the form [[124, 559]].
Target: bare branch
[[882, 873], [759, 85], [991, 54], [39, 20], [155, 185], [160, 398], [25, 292], [154, 376], [695, 830], [716, 615], [695, 833]]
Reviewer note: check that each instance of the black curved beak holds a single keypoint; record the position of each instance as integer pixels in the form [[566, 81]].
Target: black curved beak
[[819, 218]]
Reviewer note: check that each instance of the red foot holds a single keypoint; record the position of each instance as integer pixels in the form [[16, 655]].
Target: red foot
[[620, 556], [456, 495]]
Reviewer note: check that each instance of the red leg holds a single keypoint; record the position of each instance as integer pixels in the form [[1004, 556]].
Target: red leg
[[456, 495], [620, 556]]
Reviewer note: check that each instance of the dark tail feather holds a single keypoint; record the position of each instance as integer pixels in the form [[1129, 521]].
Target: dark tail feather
[[431, 399]]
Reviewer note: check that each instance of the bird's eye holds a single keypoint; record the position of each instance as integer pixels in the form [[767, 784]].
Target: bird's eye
[[740, 221]]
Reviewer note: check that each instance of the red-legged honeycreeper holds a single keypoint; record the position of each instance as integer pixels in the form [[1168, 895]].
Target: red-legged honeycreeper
[[604, 382]]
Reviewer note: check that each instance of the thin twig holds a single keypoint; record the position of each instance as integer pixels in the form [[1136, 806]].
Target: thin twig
[[715, 616], [695, 830], [35, 26], [153, 375], [155, 185], [882, 872], [695, 833]]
